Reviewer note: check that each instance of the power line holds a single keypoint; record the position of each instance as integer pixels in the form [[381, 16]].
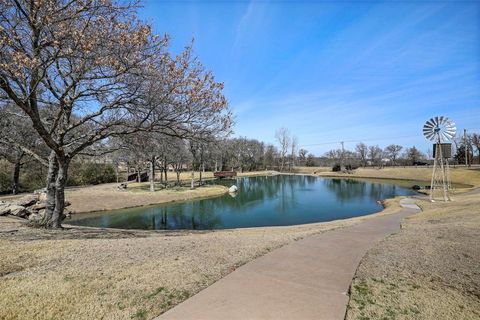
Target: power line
[[369, 140], [360, 140]]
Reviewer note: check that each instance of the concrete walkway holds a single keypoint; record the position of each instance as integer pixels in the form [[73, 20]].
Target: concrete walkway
[[307, 279]]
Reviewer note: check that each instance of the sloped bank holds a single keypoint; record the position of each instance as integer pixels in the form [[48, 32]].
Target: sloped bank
[[429, 270]]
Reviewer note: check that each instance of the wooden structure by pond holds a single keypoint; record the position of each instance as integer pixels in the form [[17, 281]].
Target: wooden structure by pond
[[224, 174]]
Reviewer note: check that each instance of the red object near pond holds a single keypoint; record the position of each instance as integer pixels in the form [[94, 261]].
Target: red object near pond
[[224, 174]]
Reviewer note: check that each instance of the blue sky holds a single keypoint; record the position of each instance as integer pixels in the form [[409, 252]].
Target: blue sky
[[335, 70]]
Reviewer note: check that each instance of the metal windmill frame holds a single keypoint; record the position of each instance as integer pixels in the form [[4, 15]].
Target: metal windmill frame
[[440, 130]]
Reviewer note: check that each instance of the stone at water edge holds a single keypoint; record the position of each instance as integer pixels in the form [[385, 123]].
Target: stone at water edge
[[26, 201], [42, 195], [233, 189], [39, 206], [37, 217], [18, 211], [4, 208]]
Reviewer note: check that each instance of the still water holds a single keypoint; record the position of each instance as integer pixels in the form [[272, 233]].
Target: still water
[[261, 201]]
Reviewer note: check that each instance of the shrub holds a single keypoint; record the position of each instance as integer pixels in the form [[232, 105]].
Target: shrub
[[91, 173], [349, 167], [5, 183]]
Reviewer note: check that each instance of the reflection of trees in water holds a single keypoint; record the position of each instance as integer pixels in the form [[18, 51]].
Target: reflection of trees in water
[[192, 215], [350, 189], [280, 193], [205, 214]]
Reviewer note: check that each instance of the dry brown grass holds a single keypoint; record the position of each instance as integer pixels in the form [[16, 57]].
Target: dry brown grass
[[187, 175], [108, 197], [430, 270], [92, 274], [123, 275], [459, 175]]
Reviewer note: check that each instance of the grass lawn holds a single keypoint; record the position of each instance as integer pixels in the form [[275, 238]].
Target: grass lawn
[[82, 273]]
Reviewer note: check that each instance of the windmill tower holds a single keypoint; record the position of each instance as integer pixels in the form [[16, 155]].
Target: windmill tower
[[440, 130]]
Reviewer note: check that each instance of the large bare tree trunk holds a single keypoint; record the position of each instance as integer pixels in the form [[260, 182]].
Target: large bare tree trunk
[[57, 216], [116, 171], [161, 174], [192, 185], [178, 177], [152, 175], [16, 174], [165, 168], [50, 188]]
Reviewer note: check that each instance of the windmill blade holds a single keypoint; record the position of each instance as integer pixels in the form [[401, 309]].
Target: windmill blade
[[442, 119], [431, 122], [451, 128], [436, 122], [449, 134], [451, 131], [427, 131], [430, 136]]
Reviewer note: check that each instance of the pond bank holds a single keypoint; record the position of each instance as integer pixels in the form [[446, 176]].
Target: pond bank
[[429, 270], [108, 197], [306, 279], [468, 177], [124, 274], [278, 200]]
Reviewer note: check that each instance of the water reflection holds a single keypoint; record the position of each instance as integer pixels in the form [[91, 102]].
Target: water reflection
[[261, 201]]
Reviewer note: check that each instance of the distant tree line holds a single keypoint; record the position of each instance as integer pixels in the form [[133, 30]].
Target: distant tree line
[[397, 155]]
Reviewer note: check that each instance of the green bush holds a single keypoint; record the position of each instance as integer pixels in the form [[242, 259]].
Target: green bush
[[33, 175], [349, 167], [5, 182], [336, 168], [90, 173]]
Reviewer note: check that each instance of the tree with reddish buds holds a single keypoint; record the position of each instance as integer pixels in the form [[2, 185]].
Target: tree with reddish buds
[[84, 71]]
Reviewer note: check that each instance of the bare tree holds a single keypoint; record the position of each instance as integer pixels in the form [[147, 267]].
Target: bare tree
[[362, 151], [335, 155], [179, 156], [84, 71], [283, 138], [302, 155], [392, 151], [293, 148], [375, 154], [270, 157], [310, 160], [475, 139], [19, 143], [413, 154]]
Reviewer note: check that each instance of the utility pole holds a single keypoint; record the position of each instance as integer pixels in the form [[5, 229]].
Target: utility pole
[[465, 145]]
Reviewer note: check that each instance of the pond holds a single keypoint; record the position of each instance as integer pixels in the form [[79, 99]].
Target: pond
[[261, 201]]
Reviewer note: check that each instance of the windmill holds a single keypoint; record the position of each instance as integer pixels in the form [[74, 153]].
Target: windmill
[[440, 130]]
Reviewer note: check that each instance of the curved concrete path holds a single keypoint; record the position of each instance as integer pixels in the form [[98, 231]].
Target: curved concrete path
[[307, 279]]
